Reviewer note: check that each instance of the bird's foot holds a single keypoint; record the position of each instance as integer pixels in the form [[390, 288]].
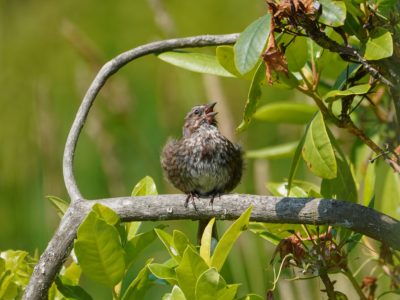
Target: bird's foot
[[191, 197], [212, 199]]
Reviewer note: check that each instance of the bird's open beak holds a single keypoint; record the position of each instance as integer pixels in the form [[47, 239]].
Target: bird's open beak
[[210, 113]]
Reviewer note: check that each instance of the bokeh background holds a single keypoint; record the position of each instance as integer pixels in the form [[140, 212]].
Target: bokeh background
[[50, 52]]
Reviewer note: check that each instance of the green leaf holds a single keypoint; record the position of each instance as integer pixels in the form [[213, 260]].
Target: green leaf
[[379, 45], [387, 190], [145, 187], [180, 241], [317, 150], [162, 271], [210, 285], [60, 204], [106, 214], [137, 244], [354, 90], [167, 240], [138, 287], [296, 158], [251, 297], [251, 43], [176, 294], [296, 53], [205, 247], [273, 152], [343, 186], [99, 251], [333, 13], [226, 58], [344, 76], [72, 274], [196, 62], [189, 270], [280, 189], [253, 97], [72, 291], [286, 112], [229, 238], [132, 229]]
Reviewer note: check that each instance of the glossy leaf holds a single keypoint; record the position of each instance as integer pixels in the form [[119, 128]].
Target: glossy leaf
[[286, 112], [209, 285], [387, 190], [189, 270], [137, 244], [72, 291], [167, 240], [162, 271], [138, 287], [347, 73], [379, 45], [71, 274], [253, 97], [176, 294], [251, 43], [317, 150], [273, 152], [196, 62], [105, 213], [226, 58], [354, 90], [144, 187], [296, 158], [343, 186], [297, 54], [205, 247], [60, 205], [230, 236], [333, 12], [180, 242], [99, 251]]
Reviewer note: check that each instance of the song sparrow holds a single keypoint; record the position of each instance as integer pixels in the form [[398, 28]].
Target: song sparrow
[[203, 163]]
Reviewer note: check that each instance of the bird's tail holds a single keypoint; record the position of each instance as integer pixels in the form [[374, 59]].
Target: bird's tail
[[202, 226]]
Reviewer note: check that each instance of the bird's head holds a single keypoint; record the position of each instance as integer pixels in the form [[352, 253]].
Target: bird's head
[[199, 116]]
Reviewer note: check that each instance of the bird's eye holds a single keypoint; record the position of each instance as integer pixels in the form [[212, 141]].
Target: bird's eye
[[196, 111]]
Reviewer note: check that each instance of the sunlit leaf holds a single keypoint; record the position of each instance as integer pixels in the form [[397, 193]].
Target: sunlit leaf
[[251, 43], [273, 152], [99, 251], [180, 241], [60, 204], [230, 236], [317, 149], [145, 187], [209, 285], [333, 12], [379, 45], [354, 90], [226, 58], [176, 294], [286, 112], [106, 214], [253, 97], [205, 247], [251, 297], [189, 270], [167, 240], [163, 271], [196, 62]]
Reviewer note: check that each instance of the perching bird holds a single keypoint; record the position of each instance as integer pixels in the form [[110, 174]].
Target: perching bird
[[203, 163]]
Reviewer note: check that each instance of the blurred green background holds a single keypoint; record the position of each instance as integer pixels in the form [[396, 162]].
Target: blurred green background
[[50, 52]]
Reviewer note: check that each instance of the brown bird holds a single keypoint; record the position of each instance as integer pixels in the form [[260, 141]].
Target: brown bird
[[203, 163]]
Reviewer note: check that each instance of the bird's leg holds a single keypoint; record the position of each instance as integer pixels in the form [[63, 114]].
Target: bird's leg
[[191, 196], [213, 197]]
